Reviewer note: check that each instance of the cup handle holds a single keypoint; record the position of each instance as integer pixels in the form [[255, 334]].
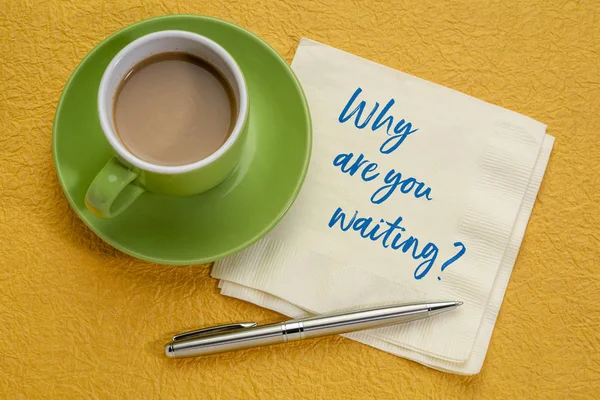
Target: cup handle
[[112, 190]]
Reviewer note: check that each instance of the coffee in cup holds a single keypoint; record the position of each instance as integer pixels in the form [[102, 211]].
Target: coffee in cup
[[174, 109]]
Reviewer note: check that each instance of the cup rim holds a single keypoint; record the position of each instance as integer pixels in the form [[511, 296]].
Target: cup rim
[[107, 126]]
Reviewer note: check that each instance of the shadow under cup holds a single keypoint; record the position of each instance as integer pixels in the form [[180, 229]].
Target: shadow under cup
[[125, 176]]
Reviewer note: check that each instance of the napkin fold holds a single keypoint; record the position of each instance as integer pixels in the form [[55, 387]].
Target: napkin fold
[[415, 192]]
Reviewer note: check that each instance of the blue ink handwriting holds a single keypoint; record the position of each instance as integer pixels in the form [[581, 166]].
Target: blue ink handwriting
[[393, 180], [400, 131], [389, 234], [392, 235]]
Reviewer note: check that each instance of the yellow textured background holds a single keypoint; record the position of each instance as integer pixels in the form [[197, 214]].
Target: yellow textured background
[[81, 320]]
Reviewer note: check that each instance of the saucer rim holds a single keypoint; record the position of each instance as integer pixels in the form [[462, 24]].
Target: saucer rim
[[198, 260]]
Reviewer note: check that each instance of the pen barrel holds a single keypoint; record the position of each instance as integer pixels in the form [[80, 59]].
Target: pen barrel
[[361, 320], [220, 343]]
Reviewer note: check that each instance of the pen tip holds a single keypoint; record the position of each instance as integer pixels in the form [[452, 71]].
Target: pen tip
[[459, 303]]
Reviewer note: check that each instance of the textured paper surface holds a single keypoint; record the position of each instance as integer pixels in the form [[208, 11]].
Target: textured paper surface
[[476, 159], [86, 321]]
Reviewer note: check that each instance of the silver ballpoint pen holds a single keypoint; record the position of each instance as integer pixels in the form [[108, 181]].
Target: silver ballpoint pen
[[222, 338]]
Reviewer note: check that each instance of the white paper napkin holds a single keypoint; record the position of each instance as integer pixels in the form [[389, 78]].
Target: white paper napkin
[[414, 192]]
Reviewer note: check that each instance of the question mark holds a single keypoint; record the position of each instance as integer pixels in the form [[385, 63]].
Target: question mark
[[455, 257]]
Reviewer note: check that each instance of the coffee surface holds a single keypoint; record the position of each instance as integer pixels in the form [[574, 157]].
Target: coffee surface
[[174, 109]]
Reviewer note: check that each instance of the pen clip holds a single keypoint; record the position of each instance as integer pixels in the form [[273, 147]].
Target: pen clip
[[213, 329]]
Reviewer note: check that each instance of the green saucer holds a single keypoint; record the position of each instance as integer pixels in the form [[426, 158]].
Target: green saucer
[[224, 220]]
